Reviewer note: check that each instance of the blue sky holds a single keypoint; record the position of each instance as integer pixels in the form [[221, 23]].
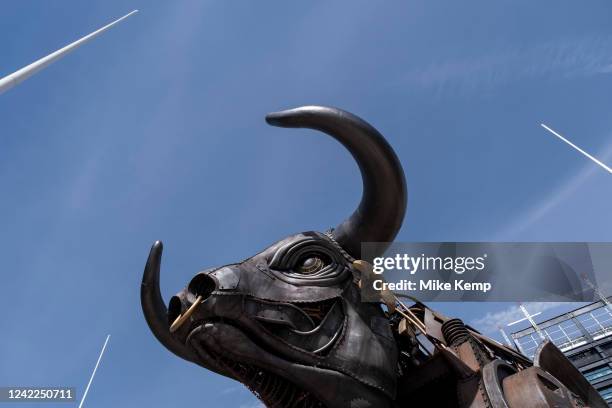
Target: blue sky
[[155, 130]]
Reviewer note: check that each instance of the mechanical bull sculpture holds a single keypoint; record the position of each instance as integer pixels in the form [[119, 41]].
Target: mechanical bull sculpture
[[290, 325]]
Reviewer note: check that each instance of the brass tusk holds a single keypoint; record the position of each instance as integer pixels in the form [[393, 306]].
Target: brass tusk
[[182, 318]]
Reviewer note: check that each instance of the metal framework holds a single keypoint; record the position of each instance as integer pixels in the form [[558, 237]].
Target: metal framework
[[570, 330]]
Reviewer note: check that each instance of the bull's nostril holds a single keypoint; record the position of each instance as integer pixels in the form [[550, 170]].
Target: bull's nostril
[[174, 309], [202, 285]]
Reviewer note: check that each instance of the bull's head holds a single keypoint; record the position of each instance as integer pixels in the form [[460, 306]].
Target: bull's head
[[289, 322]]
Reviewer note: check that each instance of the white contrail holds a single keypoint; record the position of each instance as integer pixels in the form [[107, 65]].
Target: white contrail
[[577, 148], [16, 77], [94, 371]]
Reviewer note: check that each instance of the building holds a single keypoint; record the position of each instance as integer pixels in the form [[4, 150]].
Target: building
[[584, 335]]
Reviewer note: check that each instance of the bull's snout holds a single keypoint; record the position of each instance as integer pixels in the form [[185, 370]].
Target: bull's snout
[[200, 287]]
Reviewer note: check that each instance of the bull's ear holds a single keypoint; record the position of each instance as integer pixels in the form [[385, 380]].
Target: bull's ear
[[365, 273], [360, 269]]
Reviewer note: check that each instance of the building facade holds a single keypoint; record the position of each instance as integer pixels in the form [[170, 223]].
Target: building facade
[[584, 335]]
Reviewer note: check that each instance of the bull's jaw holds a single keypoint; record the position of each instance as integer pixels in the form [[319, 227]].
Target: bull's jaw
[[278, 382]]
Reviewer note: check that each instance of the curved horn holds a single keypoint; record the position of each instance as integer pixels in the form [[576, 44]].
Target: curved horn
[[383, 203], [154, 308]]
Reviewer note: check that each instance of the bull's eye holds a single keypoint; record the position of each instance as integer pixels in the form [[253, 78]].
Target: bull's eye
[[311, 263], [309, 260]]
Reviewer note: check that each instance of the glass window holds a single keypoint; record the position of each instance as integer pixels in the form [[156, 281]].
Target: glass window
[[597, 322], [606, 393], [595, 374]]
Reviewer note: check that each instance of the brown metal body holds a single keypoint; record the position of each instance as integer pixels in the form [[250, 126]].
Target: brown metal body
[[467, 369]]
